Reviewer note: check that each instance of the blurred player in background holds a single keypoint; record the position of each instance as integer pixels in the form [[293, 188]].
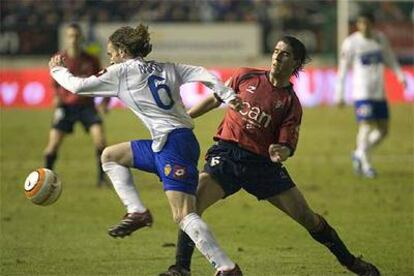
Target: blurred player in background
[[151, 90], [71, 108], [250, 147], [367, 51]]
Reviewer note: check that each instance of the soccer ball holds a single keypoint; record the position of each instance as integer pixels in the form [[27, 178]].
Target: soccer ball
[[42, 187]]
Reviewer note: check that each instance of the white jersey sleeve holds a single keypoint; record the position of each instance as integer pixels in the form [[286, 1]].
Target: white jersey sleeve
[[346, 59], [105, 84], [389, 58], [189, 73]]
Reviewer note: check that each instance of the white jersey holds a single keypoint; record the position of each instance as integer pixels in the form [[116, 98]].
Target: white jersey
[[367, 56], [150, 89]]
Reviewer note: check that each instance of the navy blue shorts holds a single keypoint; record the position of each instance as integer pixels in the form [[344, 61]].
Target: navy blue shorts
[[175, 164], [235, 168], [66, 116], [367, 110]]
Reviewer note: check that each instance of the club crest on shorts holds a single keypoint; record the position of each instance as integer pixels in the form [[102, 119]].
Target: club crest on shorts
[[179, 172], [167, 169]]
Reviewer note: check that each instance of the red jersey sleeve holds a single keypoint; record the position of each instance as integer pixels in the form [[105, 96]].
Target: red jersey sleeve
[[289, 129]]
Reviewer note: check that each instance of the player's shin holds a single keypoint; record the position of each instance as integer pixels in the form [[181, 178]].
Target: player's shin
[[363, 145], [122, 181], [101, 173], [50, 160], [327, 236], [375, 137], [198, 231]]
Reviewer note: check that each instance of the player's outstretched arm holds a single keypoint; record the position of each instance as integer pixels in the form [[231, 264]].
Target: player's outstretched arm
[[211, 102], [204, 106], [106, 84], [190, 73], [391, 61], [344, 64]]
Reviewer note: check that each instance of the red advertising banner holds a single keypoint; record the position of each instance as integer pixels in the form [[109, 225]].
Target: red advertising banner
[[32, 88]]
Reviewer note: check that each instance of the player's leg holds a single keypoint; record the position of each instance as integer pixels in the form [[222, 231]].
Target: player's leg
[[216, 182], [380, 116], [98, 138], [208, 193], [378, 133], [361, 158], [178, 169], [372, 117], [294, 204], [183, 207], [62, 124], [92, 122], [56, 137], [116, 161], [378, 130]]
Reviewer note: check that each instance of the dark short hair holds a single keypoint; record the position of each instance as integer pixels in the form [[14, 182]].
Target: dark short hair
[[74, 25], [367, 15], [135, 41], [299, 52]]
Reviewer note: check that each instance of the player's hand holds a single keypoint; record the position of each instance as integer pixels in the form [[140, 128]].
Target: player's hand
[[57, 60], [236, 104], [278, 153]]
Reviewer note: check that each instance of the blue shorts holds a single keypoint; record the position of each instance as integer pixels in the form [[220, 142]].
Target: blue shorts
[[175, 164], [235, 168], [367, 110]]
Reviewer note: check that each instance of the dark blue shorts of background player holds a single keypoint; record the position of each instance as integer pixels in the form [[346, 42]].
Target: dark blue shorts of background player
[[66, 116]]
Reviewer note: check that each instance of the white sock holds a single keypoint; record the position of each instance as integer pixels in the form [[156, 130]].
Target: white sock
[[122, 181], [198, 231], [363, 146], [374, 137]]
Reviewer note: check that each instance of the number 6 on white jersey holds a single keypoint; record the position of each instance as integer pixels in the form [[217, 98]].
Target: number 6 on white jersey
[[155, 92]]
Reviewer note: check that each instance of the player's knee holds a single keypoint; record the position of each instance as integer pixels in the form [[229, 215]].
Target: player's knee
[[312, 220], [203, 177], [107, 155], [307, 218], [178, 217]]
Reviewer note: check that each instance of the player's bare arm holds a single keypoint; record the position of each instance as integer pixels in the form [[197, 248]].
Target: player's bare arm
[[210, 103], [279, 153], [204, 106]]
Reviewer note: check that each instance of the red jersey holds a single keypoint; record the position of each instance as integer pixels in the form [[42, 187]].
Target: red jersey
[[84, 65], [269, 115]]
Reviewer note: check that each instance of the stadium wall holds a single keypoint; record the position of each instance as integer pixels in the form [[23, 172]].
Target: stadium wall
[[32, 88]]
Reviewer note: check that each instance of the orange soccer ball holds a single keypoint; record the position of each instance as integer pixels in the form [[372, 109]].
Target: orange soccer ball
[[42, 187]]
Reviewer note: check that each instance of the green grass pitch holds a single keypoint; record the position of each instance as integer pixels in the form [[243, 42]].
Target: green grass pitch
[[373, 217]]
